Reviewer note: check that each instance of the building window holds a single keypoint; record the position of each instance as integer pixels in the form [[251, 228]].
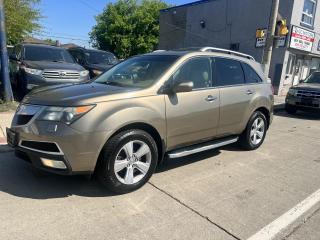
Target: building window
[[309, 9], [235, 46]]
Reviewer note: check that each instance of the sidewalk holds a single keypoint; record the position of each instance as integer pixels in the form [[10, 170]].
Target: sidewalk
[[5, 121]]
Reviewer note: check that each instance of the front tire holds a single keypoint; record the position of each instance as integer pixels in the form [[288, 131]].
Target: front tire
[[254, 134], [128, 161]]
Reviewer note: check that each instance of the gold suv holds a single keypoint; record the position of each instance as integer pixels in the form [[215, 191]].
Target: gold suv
[[163, 104]]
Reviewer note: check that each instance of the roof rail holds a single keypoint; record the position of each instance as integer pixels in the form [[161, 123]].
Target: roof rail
[[213, 49], [159, 50]]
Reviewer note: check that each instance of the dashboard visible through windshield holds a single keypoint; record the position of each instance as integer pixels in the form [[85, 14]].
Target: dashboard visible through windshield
[[138, 72]]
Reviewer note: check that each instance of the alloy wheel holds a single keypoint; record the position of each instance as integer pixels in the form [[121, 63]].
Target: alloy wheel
[[132, 162], [257, 131]]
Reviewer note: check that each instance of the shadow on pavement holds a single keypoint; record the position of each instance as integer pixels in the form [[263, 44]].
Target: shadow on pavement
[[19, 178], [170, 164], [308, 115]]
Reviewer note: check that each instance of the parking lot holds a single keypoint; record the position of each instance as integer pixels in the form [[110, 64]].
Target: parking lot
[[222, 194]]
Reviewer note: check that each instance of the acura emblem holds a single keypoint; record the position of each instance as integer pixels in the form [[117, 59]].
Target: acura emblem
[[63, 74]]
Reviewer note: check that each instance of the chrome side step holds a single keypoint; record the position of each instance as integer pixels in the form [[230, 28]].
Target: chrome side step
[[201, 147]]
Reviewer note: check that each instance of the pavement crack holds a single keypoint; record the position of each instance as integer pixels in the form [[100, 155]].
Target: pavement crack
[[195, 211]]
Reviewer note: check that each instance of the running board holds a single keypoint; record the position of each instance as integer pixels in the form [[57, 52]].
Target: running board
[[201, 147]]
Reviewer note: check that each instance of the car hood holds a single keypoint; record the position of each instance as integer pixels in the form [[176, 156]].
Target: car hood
[[75, 94], [308, 86], [53, 65], [100, 67]]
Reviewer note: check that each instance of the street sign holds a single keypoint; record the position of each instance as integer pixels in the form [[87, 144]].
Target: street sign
[[280, 41], [261, 41], [301, 39]]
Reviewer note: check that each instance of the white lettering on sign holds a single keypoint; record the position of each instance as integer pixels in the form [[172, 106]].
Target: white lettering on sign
[[302, 39]]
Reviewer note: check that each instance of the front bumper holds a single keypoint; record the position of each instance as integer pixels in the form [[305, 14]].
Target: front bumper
[[303, 103], [77, 151]]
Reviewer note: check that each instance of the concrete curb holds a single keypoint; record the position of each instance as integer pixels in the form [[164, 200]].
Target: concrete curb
[[3, 138]]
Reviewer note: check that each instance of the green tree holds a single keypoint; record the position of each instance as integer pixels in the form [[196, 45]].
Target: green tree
[[128, 27], [21, 19]]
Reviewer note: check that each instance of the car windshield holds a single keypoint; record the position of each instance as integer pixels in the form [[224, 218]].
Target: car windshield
[[313, 78], [138, 72], [99, 57], [39, 53]]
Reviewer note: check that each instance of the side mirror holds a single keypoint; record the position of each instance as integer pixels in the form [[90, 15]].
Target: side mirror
[[183, 87], [13, 57]]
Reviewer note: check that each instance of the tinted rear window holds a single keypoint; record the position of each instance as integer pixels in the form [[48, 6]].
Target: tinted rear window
[[250, 74], [227, 72]]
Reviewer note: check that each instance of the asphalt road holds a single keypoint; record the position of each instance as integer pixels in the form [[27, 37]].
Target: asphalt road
[[222, 194]]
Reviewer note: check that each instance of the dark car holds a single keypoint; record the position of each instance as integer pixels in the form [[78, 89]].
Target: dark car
[[34, 65], [95, 61], [304, 96]]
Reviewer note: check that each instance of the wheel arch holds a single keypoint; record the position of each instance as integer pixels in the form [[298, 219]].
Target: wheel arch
[[265, 111], [145, 127]]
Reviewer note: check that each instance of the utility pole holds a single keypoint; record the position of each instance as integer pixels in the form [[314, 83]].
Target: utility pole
[[267, 54], [8, 96]]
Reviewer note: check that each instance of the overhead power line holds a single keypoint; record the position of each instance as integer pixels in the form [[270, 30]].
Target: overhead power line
[[63, 37], [89, 6]]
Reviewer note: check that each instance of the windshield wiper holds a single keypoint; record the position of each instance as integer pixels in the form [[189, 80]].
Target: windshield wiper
[[112, 83], [58, 61]]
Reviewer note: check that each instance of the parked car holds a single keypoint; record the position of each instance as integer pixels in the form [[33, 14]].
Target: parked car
[[95, 61], [304, 96], [120, 126], [34, 65]]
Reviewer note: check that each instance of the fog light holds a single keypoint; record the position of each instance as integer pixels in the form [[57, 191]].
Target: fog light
[[53, 163]]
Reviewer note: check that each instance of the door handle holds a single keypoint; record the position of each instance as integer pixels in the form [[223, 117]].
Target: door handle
[[249, 92], [210, 98]]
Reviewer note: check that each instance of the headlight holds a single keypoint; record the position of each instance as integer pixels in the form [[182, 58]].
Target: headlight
[[64, 114], [84, 73], [97, 72], [292, 91], [32, 71]]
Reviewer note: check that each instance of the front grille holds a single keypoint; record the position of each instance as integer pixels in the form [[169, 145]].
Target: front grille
[[23, 119], [305, 104], [60, 75], [308, 94], [47, 147]]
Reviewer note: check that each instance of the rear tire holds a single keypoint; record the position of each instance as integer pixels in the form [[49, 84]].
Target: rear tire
[[254, 134], [290, 109], [128, 161]]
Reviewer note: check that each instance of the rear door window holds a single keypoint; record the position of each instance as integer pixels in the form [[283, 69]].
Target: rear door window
[[227, 72], [250, 75]]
